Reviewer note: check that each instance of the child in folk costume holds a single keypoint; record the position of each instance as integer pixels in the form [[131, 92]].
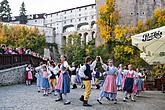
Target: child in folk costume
[[119, 78], [97, 76], [85, 73], [78, 78], [129, 83], [139, 81], [39, 76], [73, 75], [52, 78], [45, 81], [63, 83], [28, 74], [109, 87]]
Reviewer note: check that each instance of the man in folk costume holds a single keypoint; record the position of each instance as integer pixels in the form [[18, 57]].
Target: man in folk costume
[[109, 87], [63, 84], [85, 73], [129, 83]]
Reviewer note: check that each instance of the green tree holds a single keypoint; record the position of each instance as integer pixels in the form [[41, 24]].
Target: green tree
[[73, 49], [22, 15], [5, 11]]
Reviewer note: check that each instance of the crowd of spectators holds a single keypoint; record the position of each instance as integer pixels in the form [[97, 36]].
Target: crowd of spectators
[[19, 51]]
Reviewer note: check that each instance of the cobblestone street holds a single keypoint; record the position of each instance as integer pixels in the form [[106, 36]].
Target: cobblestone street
[[21, 97]]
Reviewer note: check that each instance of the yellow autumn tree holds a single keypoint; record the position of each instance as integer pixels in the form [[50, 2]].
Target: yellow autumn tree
[[109, 18]]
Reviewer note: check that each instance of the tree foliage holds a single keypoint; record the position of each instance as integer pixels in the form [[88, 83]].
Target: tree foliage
[[5, 11], [22, 36], [22, 15]]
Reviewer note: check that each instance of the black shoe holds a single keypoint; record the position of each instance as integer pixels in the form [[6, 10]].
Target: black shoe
[[47, 95], [74, 86], [52, 90], [82, 98], [115, 101], [44, 95], [99, 101], [97, 87], [126, 97], [133, 100], [38, 91], [124, 100], [86, 104], [67, 103], [59, 99], [108, 98]]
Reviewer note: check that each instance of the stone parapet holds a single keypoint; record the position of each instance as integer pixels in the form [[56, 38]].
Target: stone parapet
[[15, 75]]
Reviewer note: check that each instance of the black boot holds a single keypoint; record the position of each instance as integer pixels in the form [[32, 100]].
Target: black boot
[[74, 86], [82, 98], [86, 104], [97, 86]]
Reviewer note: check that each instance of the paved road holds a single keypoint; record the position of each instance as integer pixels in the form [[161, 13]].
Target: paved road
[[21, 97]]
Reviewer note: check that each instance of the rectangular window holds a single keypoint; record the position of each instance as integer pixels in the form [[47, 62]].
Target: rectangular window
[[71, 20], [79, 14], [85, 8], [85, 18], [80, 9], [79, 19]]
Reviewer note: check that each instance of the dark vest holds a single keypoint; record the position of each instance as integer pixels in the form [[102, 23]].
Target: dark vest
[[73, 72], [97, 74], [53, 76], [88, 72]]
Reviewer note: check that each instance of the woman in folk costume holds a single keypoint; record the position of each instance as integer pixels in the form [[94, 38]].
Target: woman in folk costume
[[39, 76], [28, 74], [109, 87], [85, 73], [63, 83], [129, 83], [119, 77]]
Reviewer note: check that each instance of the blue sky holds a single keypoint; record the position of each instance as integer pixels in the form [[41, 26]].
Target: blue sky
[[46, 6]]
